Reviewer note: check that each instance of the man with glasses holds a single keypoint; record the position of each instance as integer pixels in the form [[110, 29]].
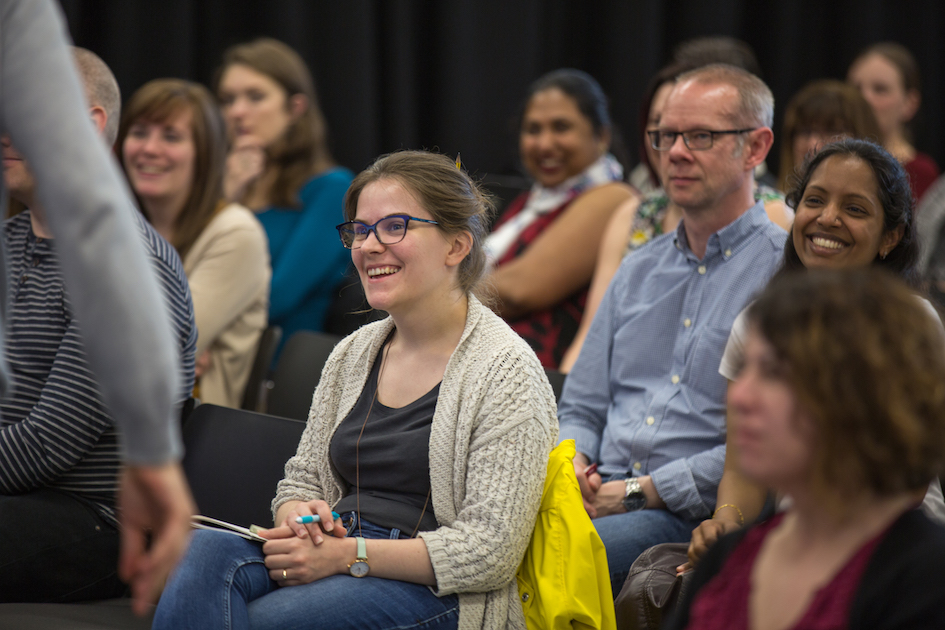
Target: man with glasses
[[645, 402]]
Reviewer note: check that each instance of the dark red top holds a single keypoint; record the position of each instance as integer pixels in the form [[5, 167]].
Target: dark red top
[[723, 603], [923, 171], [551, 330]]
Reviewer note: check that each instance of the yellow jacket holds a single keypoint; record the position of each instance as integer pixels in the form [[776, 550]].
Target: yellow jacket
[[563, 580]]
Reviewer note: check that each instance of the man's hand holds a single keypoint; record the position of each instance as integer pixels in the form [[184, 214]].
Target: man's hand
[[610, 497], [155, 499], [589, 483]]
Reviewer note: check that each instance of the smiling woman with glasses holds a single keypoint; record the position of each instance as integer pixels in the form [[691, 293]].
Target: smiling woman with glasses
[[429, 434]]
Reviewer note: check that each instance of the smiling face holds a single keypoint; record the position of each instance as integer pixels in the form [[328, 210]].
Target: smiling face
[[697, 180], [254, 106], [839, 219], [557, 141], [774, 436], [416, 272], [882, 85], [159, 159]]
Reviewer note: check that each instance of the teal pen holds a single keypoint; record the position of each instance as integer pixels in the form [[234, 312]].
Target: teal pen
[[313, 519]]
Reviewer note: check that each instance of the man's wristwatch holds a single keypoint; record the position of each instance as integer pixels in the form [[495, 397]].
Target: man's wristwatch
[[359, 568], [634, 499]]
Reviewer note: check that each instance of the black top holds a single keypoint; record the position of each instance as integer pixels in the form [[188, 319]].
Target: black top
[[394, 457], [902, 586]]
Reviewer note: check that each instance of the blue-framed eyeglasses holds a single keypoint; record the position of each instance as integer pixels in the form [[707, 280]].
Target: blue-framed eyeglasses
[[387, 231]]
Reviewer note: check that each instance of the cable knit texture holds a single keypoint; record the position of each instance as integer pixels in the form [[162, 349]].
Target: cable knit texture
[[493, 429]]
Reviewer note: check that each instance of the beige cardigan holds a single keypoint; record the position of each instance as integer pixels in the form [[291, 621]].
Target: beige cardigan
[[228, 271], [492, 431]]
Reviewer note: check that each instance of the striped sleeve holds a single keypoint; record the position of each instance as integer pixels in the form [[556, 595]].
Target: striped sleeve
[[66, 422]]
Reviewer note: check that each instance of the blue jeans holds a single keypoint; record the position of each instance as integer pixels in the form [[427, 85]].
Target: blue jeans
[[628, 535], [223, 583]]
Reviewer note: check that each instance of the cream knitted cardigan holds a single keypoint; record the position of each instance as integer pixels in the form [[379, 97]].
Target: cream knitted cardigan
[[494, 426]]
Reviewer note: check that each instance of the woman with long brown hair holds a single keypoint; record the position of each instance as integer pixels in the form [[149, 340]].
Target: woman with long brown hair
[[280, 167], [172, 146]]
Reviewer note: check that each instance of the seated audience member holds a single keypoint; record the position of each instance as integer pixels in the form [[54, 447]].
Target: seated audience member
[[280, 167], [688, 55], [840, 405], [888, 77], [545, 243], [172, 145], [645, 400], [640, 219], [445, 403], [822, 111], [59, 537], [854, 209]]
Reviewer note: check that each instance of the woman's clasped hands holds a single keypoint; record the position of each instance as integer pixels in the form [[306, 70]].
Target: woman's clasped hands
[[300, 553]]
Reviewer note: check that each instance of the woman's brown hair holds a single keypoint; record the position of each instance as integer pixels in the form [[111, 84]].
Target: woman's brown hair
[[302, 151], [161, 100], [451, 197], [825, 105], [864, 357]]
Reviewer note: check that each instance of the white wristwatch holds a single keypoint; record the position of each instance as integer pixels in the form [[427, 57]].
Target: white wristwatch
[[359, 568]]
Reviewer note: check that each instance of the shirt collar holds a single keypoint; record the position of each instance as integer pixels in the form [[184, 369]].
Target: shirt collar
[[730, 238]]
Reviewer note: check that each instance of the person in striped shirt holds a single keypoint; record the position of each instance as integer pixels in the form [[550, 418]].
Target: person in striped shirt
[[59, 448]]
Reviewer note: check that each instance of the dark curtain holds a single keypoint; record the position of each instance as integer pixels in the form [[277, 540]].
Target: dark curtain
[[449, 74]]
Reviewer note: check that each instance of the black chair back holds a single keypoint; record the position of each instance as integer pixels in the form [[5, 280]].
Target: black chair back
[[298, 372], [258, 384], [556, 379], [233, 460]]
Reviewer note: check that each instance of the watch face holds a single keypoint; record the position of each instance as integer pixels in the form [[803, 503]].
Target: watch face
[[634, 502], [359, 568]]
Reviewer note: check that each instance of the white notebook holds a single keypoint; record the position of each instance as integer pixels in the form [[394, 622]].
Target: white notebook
[[205, 522]]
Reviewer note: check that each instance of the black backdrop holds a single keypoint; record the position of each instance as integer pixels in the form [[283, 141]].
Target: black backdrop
[[449, 74]]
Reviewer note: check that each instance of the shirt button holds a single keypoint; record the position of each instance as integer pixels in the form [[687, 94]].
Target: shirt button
[[675, 379], [701, 270], [687, 322], [23, 278], [637, 466], [650, 420], [728, 253]]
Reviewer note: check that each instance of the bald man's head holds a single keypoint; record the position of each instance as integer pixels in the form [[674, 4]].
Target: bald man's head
[[101, 89]]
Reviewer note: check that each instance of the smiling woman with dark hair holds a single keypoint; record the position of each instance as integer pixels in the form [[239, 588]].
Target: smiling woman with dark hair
[[545, 243], [854, 210]]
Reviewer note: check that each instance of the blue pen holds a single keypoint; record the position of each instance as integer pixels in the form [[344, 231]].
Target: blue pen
[[304, 520]]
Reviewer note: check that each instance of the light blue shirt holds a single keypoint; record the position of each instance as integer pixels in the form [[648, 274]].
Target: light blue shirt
[[645, 397]]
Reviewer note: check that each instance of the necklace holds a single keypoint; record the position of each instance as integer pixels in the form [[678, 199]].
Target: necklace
[[357, 448]]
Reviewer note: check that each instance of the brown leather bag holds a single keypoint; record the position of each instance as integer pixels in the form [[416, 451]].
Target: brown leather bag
[[652, 588]]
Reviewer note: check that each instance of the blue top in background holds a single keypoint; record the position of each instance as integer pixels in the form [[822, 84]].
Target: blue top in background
[[308, 259]]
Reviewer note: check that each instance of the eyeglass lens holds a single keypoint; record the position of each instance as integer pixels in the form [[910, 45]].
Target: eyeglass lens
[[388, 231]]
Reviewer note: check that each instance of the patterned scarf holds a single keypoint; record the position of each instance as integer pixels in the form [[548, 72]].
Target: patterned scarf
[[543, 200]]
